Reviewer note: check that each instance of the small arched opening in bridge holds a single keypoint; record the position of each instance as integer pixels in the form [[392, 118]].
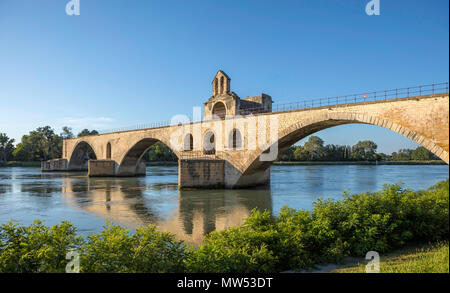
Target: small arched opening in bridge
[[219, 110], [209, 143], [133, 163], [300, 130], [235, 140], [108, 151], [188, 143], [80, 157]]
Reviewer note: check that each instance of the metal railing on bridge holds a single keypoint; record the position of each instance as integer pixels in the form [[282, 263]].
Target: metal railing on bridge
[[435, 88]]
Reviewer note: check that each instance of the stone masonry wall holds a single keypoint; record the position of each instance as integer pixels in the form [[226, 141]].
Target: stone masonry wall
[[203, 173], [98, 168]]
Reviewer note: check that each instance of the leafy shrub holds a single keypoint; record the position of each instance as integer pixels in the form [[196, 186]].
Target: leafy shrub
[[299, 239], [294, 239], [247, 248], [36, 248], [146, 251]]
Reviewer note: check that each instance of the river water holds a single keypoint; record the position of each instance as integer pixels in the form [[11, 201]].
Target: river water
[[27, 194]]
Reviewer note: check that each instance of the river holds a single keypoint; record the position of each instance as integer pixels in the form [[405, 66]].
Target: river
[[27, 194]]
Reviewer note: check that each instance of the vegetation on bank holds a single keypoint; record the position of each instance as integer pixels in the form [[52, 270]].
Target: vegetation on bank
[[309, 163], [294, 239], [425, 259], [315, 150], [20, 164]]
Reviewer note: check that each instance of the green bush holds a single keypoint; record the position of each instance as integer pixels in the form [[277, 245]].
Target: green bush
[[294, 239], [36, 248], [145, 251], [248, 248], [298, 239]]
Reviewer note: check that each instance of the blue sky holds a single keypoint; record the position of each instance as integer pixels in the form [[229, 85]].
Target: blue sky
[[122, 63]]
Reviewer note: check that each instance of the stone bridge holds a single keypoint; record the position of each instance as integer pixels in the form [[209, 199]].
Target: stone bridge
[[233, 149]]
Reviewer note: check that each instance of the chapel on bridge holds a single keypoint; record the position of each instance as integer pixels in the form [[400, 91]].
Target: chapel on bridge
[[226, 103]]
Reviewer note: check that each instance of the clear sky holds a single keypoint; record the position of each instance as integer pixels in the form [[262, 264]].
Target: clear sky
[[121, 63]]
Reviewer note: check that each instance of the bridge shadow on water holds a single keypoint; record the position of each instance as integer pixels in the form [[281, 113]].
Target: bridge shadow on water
[[137, 201]]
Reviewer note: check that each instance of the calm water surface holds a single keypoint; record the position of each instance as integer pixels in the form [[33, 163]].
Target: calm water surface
[[27, 194]]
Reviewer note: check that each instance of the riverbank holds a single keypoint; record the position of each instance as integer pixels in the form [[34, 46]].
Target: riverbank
[[162, 163], [20, 164], [281, 163], [308, 163]]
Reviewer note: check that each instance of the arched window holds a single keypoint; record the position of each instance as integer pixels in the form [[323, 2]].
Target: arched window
[[216, 87], [219, 110], [221, 85], [235, 140], [188, 142], [108, 151], [209, 143]]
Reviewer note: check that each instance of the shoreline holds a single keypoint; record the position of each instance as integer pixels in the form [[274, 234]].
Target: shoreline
[[306, 163], [277, 163]]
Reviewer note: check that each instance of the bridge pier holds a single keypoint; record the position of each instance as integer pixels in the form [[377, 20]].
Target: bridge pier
[[215, 173], [201, 173], [101, 168], [54, 165]]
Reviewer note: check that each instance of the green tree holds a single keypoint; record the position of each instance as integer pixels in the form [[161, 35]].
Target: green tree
[[19, 153], [314, 148], [300, 154], [66, 133], [6, 147], [40, 144], [160, 152], [364, 151], [288, 155], [86, 132], [402, 155], [421, 154]]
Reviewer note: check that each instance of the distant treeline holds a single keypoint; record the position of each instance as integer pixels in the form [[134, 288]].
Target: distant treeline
[[44, 144], [315, 150], [39, 145]]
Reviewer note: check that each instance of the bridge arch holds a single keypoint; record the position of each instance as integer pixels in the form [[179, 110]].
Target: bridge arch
[[81, 154], [301, 129], [129, 163]]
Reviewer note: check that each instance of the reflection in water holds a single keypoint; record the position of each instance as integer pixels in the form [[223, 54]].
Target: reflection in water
[[27, 194], [203, 211], [129, 201]]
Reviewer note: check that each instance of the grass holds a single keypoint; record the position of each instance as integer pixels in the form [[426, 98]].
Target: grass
[[426, 259]]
